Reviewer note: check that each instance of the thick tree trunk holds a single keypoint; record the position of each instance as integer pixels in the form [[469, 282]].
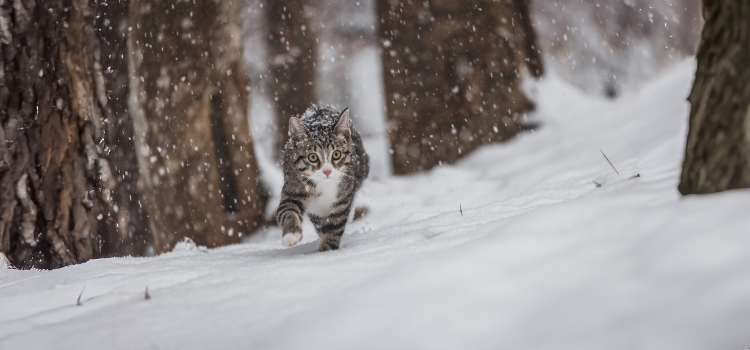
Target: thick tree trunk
[[291, 59], [54, 184], [127, 222], [188, 101], [717, 155], [452, 81]]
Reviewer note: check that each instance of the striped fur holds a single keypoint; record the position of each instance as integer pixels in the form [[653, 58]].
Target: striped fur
[[322, 185]]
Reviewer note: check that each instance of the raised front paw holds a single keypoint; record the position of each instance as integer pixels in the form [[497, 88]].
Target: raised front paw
[[290, 239]]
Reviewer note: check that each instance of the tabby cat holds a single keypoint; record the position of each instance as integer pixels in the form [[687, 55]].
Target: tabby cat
[[324, 167]]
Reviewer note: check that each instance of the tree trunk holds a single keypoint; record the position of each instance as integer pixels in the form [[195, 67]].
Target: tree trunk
[[526, 36], [188, 101], [717, 155], [452, 80], [127, 222], [55, 185], [291, 60]]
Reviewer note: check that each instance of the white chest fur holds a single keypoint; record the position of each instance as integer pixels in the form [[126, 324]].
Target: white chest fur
[[323, 198]]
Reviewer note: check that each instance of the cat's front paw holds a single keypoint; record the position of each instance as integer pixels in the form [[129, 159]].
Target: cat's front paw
[[291, 239]]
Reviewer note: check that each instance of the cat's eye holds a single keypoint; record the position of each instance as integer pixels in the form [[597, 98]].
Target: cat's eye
[[336, 155], [313, 157]]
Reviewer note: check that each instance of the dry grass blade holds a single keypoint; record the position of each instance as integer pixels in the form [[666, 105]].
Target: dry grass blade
[[78, 303], [610, 163]]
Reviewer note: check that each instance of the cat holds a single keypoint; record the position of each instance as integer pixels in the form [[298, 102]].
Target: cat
[[324, 166]]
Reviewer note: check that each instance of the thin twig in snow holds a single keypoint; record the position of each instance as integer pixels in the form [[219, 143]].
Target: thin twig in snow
[[610, 163], [79, 296]]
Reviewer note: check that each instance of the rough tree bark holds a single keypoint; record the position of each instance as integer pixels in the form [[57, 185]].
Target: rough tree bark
[[127, 221], [452, 80], [291, 60], [717, 155], [188, 101], [54, 183]]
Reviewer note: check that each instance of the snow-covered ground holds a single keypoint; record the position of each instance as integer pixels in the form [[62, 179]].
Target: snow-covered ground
[[538, 257]]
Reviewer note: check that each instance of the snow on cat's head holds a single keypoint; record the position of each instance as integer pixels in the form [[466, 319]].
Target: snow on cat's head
[[321, 144]]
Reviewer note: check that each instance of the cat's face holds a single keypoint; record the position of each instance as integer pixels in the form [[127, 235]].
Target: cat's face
[[321, 154]]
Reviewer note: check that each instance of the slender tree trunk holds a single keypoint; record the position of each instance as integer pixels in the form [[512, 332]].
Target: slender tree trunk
[[526, 37], [188, 101], [291, 54], [55, 186], [127, 222], [717, 155], [452, 80]]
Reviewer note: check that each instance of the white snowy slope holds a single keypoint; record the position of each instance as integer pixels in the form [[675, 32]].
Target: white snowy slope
[[540, 258]]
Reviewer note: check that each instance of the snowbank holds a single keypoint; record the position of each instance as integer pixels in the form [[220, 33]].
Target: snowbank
[[537, 257]]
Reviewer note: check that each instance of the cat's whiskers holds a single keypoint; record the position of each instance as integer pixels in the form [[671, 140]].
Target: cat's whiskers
[[351, 177]]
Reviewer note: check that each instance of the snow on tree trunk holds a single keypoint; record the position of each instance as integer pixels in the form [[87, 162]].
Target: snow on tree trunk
[[188, 101], [127, 222], [55, 186], [717, 155], [452, 78], [291, 60]]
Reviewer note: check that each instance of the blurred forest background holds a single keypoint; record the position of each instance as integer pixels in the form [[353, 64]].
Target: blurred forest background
[[129, 125]]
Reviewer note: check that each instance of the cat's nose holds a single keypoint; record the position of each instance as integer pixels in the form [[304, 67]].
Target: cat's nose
[[327, 171]]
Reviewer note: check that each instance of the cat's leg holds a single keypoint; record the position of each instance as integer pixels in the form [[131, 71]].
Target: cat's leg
[[331, 228], [289, 216], [317, 221]]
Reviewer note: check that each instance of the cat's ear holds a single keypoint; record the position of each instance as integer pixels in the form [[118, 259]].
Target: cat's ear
[[297, 129], [342, 127]]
